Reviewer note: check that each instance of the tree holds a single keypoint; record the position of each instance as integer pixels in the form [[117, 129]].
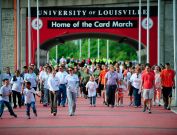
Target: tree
[[118, 51]]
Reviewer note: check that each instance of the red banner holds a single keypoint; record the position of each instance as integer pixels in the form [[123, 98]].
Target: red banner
[[121, 21]]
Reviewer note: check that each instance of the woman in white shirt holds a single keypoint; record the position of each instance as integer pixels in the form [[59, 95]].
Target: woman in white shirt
[[31, 77], [72, 82], [17, 82], [44, 82], [53, 83], [135, 81]]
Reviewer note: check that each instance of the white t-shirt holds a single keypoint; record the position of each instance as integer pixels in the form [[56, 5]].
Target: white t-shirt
[[72, 82], [62, 60], [92, 69], [61, 76], [135, 80], [41, 74], [44, 77], [29, 95], [123, 86], [4, 91], [32, 78], [157, 80], [16, 85], [53, 83], [120, 75], [92, 86], [128, 76]]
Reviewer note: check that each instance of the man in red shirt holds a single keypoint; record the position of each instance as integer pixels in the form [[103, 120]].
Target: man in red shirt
[[101, 81], [167, 81], [147, 86]]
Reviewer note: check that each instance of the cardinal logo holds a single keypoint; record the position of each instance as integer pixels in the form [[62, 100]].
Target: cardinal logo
[[34, 24], [144, 23]]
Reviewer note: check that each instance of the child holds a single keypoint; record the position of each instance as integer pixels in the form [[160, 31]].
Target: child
[[91, 87], [29, 99], [5, 91], [120, 93]]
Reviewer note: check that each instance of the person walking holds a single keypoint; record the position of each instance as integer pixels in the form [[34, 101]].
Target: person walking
[[7, 75], [72, 82], [5, 91], [53, 83], [111, 84], [29, 99], [135, 82], [158, 86], [101, 82], [167, 80], [147, 86], [17, 82], [84, 79], [91, 87], [31, 77], [96, 75], [44, 82], [61, 74]]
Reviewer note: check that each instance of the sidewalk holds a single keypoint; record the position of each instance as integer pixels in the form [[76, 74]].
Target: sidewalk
[[174, 109], [91, 121]]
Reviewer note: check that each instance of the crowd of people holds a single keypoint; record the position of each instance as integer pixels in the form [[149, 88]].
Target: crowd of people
[[62, 84]]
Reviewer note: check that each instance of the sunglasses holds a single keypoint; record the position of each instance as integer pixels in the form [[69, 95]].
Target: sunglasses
[[70, 70]]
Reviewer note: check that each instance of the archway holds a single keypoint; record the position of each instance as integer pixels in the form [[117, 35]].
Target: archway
[[68, 37], [57, 28]]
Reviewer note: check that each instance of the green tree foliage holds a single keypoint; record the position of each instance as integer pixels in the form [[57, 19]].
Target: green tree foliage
[[117, 51]]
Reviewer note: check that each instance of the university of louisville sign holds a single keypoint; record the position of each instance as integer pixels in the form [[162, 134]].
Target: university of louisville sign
[[55, 21]]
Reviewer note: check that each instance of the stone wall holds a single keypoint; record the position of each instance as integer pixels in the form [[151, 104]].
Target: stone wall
[[7, 38], [168, 33]]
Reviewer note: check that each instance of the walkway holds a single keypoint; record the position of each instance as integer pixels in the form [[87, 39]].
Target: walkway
[[91, 121]]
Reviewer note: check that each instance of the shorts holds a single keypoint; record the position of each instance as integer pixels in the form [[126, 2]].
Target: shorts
[[148, 93], [120, 95], [101, 87]]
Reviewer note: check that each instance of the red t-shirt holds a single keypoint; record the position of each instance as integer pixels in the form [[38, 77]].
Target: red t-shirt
[[148, 80], [144, 71], [167, 77], [102, 76]]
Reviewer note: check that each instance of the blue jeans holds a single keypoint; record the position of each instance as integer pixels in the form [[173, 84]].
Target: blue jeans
[[137, 97], [30, 105], [23, 99], [62, 94], [93, 100], [71, 102], [46, 96], [8, 104]]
